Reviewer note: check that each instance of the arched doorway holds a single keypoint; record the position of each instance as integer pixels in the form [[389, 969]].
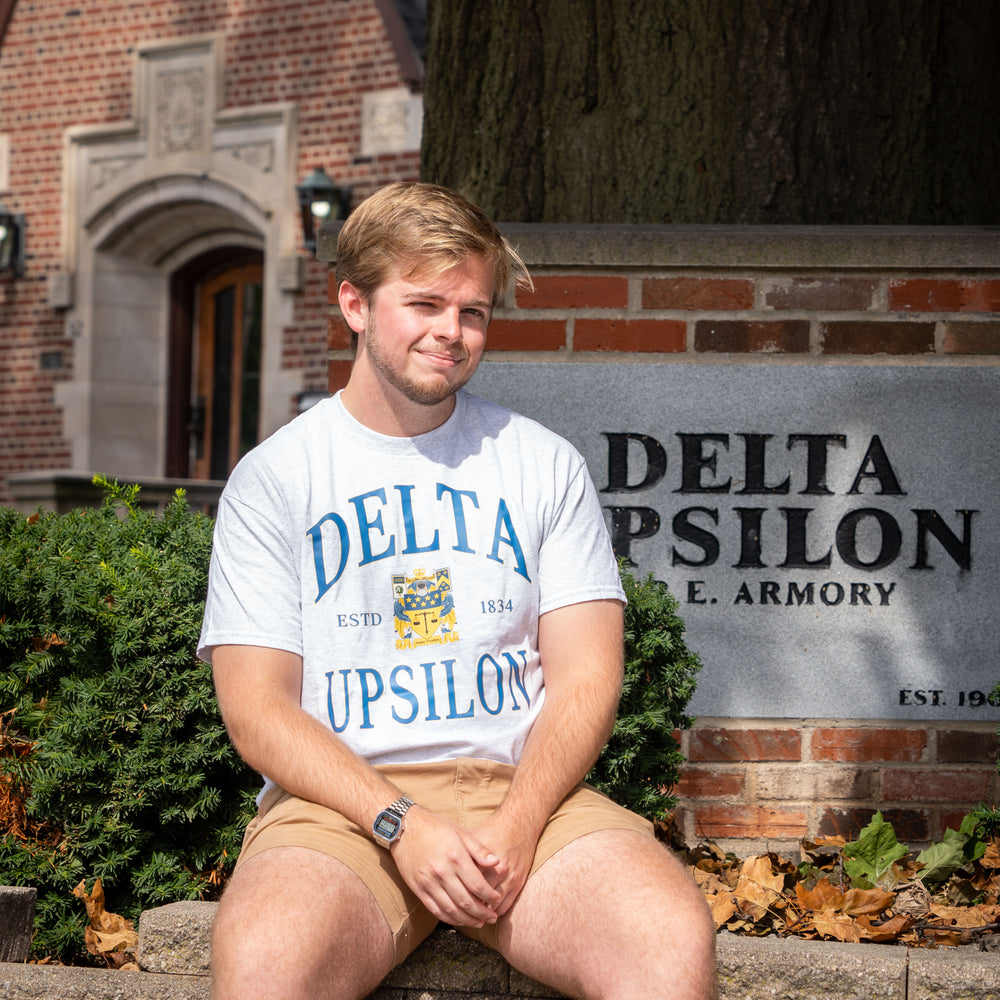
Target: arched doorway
[[147, 226], [215, 367]]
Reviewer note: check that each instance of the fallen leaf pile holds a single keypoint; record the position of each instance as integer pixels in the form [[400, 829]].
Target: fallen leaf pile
[[871, 890]]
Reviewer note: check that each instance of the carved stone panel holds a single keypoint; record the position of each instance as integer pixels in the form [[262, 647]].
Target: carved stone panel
[[830, 531], [179, 111], [391, 122]]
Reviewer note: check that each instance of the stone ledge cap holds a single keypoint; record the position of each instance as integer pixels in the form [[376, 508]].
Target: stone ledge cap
[[555, 245]]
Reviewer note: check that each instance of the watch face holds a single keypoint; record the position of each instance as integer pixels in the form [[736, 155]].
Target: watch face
[[387, 825]]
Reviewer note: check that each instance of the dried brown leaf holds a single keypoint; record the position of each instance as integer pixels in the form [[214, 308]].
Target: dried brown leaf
[[867, 902], [934, 936], [758, 888], [962, 916], [105, 932], [44, 642], [722, 906], [853, 902], [837, 925], [823, 843], [991, 859], [708, 882], [820, 897], [913, 900], [886, 930]]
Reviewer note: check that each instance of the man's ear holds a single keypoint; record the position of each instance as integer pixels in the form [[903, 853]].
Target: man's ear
[[353, 306]]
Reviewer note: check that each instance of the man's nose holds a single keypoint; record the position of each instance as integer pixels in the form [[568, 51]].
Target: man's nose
[[449, 326]]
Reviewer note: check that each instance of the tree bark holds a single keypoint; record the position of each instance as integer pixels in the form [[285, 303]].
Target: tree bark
[[687, 111]]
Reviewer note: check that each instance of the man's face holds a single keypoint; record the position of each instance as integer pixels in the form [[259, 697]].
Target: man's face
[[424, 335]]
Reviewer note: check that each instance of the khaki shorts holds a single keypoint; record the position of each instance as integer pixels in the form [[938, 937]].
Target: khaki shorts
[[466, 791]]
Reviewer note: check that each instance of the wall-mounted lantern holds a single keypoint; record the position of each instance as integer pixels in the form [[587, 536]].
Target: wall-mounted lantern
[[320, 198], [11, 241]]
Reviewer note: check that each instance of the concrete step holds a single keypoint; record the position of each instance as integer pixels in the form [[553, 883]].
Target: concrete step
[[174, 943]]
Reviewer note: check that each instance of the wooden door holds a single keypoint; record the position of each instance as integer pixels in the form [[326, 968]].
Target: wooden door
[[226, 377]]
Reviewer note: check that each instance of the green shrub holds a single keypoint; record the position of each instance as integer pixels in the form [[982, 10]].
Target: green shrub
[[122, 749], [642, 760]]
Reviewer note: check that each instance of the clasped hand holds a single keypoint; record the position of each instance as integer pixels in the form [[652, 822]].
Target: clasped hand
[[464, 878]]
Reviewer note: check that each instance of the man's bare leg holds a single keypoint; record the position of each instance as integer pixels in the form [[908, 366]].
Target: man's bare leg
[[613, 916], [295, 923]]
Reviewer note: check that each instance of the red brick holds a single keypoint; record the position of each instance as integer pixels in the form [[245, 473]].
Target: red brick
[[925, 295], [875, 745], [962, 746], [876, 337], [908, 824], [972, 338], [951, 820], [526, 335], [576, 291], [944, 295], [923, 785], [706, 783], [982, 296], [752, 336], [339, 335], [716, 822], [800, 782], [640, 335], [338, 372], [744, 744], [697, 293], [817, 294]]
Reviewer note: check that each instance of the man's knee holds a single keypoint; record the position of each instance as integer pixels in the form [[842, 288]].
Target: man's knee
[[294, 923], [614, 914]]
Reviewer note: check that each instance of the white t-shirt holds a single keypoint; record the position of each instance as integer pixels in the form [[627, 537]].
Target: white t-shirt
[[409, 573]]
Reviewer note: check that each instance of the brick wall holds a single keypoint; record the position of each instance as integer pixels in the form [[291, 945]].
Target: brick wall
[[674, 312], [773, 296], [774, 783], [66, 63]]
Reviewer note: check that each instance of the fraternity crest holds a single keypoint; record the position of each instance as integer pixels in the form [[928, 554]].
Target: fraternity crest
[[423, 609]]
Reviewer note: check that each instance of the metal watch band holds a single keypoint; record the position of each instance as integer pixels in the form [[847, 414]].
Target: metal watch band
[[400, 806]]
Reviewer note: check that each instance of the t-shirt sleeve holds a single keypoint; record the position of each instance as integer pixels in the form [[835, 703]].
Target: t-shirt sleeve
[[576, 562], [253, 585]]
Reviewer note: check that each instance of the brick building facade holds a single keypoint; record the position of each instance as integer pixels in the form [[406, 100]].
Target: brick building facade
[[153, 150]]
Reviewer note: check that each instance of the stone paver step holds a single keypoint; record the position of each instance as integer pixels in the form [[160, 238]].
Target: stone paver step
[[174, 947]]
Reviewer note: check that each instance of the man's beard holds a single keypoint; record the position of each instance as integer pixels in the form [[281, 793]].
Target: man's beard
[[428, 392]]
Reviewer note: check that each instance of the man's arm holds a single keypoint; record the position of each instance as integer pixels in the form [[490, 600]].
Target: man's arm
[[259, 696], [581, 651]]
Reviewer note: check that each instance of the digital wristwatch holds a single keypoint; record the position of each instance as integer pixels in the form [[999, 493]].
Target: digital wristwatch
[[388, 823]]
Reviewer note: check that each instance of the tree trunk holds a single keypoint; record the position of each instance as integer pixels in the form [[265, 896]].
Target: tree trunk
[[717, 111]]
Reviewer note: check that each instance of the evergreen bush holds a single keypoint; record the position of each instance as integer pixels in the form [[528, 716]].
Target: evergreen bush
[[642, 759], [112, 738], [114, 761]]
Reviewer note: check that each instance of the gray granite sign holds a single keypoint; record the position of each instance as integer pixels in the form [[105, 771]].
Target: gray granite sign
[[830, 531]]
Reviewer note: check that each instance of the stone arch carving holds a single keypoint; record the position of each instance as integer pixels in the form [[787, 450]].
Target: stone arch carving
[[155, 221]]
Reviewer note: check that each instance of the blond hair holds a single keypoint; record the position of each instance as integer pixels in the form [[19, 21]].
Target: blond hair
[[424, 229]]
